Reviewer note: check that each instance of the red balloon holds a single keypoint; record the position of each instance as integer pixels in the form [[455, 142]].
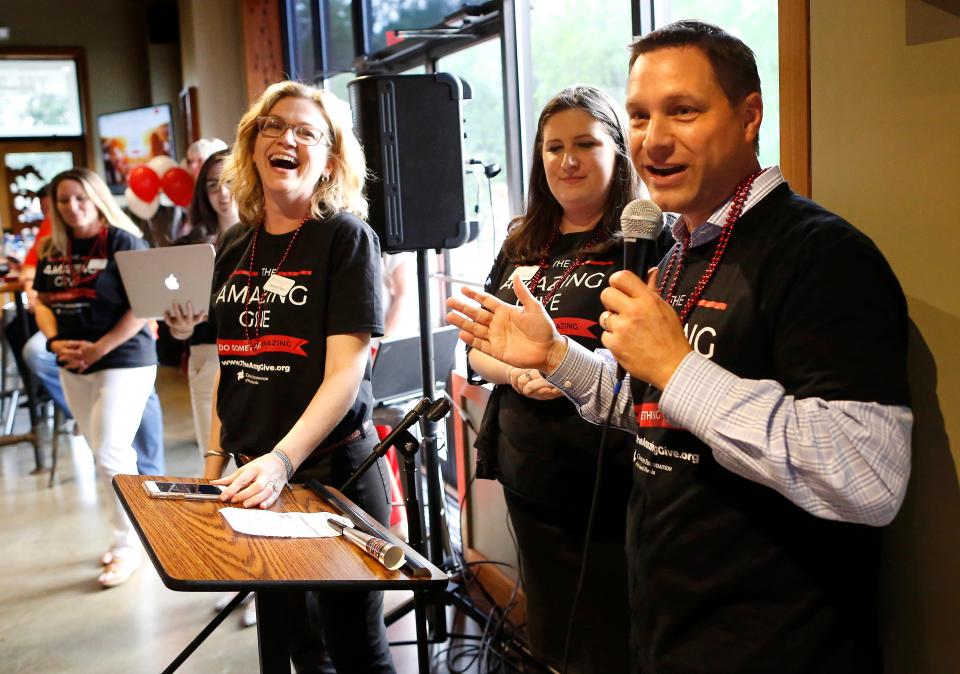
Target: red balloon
[[178, 185], [144, 182]]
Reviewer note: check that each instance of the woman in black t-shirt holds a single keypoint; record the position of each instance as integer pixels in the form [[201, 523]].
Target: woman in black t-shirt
[[532, 439], [296, 301], [106, 355], [213, 211]]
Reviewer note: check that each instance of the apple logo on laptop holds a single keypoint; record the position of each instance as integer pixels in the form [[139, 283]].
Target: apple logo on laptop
[[171, 282]]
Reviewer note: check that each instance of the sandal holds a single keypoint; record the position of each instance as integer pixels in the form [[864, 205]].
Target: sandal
[[107, 557], [119, 569]]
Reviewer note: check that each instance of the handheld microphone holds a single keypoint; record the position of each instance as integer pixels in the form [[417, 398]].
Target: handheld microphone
[[391, 556], [641, 223]]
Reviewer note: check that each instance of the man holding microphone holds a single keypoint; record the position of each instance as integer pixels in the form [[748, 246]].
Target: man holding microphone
[[772, 419]]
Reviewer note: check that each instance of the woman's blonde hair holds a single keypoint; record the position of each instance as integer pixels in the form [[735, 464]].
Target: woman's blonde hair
[[342, 191], [98, 192]]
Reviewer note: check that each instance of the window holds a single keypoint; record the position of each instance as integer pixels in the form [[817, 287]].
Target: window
[[579, 42], [299, 36], [27, 173], [41, 125], [483, 127], [755, 23], [39, 98]]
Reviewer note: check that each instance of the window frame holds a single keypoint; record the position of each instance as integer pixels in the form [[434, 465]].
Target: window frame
[[78, 56]]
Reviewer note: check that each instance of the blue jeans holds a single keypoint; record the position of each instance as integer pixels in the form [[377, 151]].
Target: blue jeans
[[148, 442]]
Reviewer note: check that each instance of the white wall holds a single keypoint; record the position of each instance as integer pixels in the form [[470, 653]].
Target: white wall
[[211, 54]]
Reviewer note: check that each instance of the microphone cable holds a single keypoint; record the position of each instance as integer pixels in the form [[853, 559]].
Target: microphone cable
[[586, 537]]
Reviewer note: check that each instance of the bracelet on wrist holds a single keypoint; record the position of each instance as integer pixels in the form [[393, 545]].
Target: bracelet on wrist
[[287, 464], [212, 452], [50, 341]]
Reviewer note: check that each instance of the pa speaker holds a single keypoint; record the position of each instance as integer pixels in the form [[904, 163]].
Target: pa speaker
[[412, 134]]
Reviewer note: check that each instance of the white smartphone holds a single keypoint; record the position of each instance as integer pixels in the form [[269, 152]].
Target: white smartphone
[[209, 492]]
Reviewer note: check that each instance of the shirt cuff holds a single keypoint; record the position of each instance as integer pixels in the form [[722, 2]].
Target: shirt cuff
[[575, 362], [694, 393]]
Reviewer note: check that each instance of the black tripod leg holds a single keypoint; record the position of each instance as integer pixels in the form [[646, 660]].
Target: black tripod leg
[[423, 644], [204, 633], [410, 501]]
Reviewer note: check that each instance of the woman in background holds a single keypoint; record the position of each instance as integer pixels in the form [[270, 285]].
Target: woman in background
[[532, 440], [106, 355], [199, 151], [213, 211]]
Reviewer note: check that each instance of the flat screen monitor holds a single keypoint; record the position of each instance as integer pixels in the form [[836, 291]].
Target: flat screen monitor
[[130, 138]]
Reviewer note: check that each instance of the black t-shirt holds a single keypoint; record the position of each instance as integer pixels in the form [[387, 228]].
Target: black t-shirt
[[546, 453], [727, 575], [266, 385], [90, 299]]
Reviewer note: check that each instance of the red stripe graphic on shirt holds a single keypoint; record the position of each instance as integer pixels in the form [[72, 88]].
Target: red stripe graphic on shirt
[[707, 304], [265, 344], [246, 272], [650, 416], [598, 263], [575, 327], [69, 295]]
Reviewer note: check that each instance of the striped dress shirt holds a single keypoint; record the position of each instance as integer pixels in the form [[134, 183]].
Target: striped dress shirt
[[837, 459]]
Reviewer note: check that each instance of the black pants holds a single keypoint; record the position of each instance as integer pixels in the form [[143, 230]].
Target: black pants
[[550, 555], [345, 627]]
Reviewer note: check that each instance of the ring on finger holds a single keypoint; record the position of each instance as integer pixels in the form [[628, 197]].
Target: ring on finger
[[604, 317]]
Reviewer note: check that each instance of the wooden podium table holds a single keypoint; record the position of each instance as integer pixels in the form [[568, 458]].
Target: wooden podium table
[[194, 549]]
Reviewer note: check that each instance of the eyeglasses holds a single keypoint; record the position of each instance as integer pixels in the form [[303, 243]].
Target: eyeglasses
[[274, 127]]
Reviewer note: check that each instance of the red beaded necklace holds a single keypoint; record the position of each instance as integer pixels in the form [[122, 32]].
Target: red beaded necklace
[[544, 263], [97, 251], [679, 256], [253, 254]]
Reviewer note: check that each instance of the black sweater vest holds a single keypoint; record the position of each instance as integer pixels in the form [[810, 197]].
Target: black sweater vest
[[726, 574]]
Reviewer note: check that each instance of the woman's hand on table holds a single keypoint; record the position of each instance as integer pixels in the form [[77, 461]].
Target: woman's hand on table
[[255, 484]]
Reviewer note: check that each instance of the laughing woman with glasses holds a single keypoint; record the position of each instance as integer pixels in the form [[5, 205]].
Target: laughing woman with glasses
[[296, 301]]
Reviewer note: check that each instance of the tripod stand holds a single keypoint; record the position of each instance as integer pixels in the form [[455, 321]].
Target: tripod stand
[[430, 610]]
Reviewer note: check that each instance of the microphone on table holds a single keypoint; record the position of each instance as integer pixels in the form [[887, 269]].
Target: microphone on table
[[391, 556], [641, 223]]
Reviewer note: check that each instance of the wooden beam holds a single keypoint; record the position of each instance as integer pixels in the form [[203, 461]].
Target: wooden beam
[[794, 40], [263, 45]]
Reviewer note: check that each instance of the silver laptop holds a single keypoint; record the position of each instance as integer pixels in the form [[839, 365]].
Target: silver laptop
[[155, 278]]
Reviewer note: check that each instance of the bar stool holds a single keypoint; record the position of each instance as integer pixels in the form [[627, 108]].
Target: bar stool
[[29, 384]]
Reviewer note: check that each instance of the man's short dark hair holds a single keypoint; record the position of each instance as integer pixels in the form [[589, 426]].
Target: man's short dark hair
[[734, 63]]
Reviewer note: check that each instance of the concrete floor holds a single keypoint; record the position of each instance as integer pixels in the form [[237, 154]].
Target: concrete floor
[[54, 616]]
